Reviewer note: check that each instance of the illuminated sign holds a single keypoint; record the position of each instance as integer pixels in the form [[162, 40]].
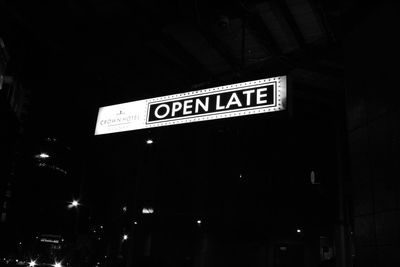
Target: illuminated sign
[[247, 98], [46, 240]]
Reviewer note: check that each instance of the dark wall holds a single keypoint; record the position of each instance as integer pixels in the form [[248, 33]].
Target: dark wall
[[374, 135]]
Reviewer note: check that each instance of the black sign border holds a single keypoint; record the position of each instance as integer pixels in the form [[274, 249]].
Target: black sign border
[[206, 115]]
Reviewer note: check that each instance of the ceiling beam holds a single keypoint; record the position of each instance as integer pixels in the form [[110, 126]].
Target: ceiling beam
[[180, 52], [283, 11], [256, 26], [178, 56], [223, 50], [259, 30], [321, 17], [180, 73]]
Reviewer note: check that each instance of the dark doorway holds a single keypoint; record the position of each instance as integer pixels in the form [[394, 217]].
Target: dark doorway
[[289, 255]]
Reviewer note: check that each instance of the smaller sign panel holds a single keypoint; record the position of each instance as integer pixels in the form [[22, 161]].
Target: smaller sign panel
[[47, 240], [247, 98]]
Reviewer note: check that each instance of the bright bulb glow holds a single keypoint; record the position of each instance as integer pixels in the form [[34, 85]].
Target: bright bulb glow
[[147, 210], [73, 204], [149, 141], [125, 237], [44, 155], [198, 221], [313, 179], [57, 264], [32, 263], [298, 231]]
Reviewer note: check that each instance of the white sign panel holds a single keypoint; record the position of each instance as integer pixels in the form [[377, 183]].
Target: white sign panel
[[247, 98]]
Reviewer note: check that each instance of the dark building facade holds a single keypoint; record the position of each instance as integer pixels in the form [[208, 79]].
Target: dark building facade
[[373, 132]]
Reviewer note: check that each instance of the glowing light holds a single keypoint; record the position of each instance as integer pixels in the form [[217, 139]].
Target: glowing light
[[198, 222], [57, 264], [32, 263], [298, 231], [125, 237], [147, 210], [313, 178], [149, 141], [44, 155], [135, 222], [74, 204]]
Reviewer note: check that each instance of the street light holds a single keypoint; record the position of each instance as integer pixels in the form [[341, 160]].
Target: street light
[[147, 210], [42, 155], [57, 264], [32, 263], [149, 141], [74, 204], [125, 237]]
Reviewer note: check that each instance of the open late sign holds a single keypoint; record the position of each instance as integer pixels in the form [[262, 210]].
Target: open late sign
[[247, 98]]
